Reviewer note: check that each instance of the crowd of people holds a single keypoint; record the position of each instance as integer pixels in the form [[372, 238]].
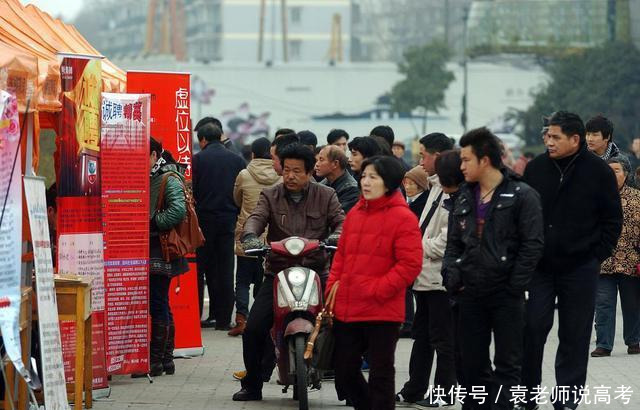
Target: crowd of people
[[468, 246]]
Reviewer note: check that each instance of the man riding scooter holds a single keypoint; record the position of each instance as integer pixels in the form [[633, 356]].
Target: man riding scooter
[[297, 207]]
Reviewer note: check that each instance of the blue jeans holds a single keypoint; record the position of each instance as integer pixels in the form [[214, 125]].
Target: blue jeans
[[248, 271], [606, 303]]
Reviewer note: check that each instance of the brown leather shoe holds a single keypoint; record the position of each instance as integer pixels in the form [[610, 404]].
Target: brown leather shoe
[[241, 323], [601, 352], [633, 349]]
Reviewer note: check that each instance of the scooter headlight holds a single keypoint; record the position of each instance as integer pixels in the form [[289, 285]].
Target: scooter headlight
[[297, 277], [294, 246]]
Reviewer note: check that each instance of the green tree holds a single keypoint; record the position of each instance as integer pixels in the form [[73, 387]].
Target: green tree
[[426, 80], [603, 80]]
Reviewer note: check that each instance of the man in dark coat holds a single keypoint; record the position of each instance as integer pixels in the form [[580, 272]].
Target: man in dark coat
[[494, 245], [582, 223], [332, 166], [214, 173]]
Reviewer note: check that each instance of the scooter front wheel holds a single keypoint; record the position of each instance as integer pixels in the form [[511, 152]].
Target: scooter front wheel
[[301, 372]]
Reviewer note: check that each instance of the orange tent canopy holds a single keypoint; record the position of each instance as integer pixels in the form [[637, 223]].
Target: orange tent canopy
[[19, 74]]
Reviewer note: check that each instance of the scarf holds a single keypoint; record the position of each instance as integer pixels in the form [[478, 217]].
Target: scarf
[[156, 167]]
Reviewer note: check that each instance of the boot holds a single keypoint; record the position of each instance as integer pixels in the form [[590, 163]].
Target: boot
[[168, 366], [157, 348], [241, 323]]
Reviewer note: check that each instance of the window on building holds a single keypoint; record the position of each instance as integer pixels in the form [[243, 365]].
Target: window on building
[[295, 49], [296, 15]]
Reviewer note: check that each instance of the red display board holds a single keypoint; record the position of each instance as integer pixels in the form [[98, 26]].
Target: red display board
[[125, 217], [171, 124], [80, 240]]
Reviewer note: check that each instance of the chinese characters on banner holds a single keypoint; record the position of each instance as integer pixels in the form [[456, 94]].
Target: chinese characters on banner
[[80, 242], [171, 124], [125, 214], [55, 392], [10, 230]]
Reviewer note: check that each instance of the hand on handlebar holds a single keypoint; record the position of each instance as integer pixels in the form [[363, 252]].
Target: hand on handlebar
[[252, 242], [332, 240]]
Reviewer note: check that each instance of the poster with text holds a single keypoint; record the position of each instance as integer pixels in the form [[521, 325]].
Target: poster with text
[[10, 230], [124, 157], [55, 392], [171, 124], [80, 242]]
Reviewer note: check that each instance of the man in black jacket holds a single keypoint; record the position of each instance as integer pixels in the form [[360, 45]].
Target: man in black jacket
[[214, 173], [582, 223], [332, 166], [495, 242]]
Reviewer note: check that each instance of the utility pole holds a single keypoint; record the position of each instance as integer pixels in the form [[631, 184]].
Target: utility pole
[[263, 5], [611, 19], [465, 74], [285, 40]]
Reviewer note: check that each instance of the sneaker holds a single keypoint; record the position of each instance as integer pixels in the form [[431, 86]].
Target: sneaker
[[601, 352], [239, 375], [247, 395], [633, 349]]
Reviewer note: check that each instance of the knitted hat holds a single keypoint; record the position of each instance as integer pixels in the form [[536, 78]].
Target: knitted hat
[[419, 176]]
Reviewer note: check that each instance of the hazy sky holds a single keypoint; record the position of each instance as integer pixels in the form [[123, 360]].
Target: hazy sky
[[67, 8]]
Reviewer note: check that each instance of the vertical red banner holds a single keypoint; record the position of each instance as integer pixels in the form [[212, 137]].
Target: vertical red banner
[[80, 239], [125, 217], [171, 124]]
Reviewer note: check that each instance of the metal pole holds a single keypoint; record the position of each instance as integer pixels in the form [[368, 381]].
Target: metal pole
[[285, 41], [465, 74], [263, 5]]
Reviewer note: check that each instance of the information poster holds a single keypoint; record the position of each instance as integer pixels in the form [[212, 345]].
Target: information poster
[[80, 242], [55, 392], [125, 216], [10, 230], [170, 123]]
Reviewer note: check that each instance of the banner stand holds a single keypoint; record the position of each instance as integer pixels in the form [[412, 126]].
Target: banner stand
[[101, 393]]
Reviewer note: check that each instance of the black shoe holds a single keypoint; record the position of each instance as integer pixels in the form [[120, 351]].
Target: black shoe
[[247, 395], [223, 327], [401, 399], [530, 406], [431, 402], [208, 323]]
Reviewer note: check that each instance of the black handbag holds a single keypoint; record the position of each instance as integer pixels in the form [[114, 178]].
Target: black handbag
[[322, 342]]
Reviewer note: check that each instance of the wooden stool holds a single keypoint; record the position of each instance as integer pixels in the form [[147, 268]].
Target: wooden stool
[[74, 304]]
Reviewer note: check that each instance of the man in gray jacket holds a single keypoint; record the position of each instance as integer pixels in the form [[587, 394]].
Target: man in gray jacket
[[432, 325]]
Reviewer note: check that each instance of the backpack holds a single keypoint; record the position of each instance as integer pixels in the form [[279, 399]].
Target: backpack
[[185, 237]]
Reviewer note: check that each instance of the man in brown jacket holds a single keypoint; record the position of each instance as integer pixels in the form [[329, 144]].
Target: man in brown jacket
[[295, 208], [258, 175]]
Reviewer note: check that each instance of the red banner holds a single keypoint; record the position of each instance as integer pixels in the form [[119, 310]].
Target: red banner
[[125, 215], [80, 240], [170, 124]]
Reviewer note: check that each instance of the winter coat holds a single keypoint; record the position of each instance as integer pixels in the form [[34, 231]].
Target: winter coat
[[347, 190], [581, 206], [434, 239], [379, 255], [172, 212], [215, 169], [315, 216], [626, 255], [418, 203], [249, 183], [505, 257]]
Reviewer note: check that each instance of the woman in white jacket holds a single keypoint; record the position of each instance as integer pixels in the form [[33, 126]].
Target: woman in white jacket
[[432, 324]]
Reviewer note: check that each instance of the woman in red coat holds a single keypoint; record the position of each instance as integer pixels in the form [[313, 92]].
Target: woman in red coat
[[379, 255]]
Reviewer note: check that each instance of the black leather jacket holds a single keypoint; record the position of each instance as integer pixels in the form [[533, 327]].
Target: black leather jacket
[[506, 255]]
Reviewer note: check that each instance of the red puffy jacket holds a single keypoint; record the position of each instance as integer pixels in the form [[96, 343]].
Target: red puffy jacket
[[379, 255]]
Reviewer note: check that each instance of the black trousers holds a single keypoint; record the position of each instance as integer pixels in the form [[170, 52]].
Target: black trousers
[[409, 307], [215, 267], [576, 293], [159, 307], [379, 340], [257, 347], [432, 332], [502, 315]]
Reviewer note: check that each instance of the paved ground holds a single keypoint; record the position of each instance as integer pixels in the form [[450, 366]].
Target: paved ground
[[206, 382]]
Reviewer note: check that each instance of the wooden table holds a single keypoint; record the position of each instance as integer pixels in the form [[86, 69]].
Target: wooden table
[[74, 304], [22, 399]]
